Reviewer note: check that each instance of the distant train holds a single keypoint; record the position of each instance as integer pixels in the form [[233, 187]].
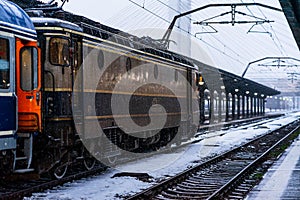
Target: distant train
[[48, 104]]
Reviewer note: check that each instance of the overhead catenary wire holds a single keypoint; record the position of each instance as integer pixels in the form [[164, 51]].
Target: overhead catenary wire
[[284, 69], [280, 47], [188, 32], [222, 43]]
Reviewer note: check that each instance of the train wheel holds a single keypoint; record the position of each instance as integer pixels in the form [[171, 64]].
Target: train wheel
[[88, 161], [60, 171], [112, 159]]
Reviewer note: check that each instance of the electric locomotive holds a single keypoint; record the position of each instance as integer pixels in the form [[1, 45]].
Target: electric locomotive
[[59, 109]]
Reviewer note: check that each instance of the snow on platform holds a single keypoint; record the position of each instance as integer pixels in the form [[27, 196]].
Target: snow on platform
[[282, 180]]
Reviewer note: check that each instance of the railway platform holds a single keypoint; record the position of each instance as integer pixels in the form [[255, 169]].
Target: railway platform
[[282, 181]]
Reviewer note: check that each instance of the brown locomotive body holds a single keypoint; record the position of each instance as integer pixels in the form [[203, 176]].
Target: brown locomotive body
[[85, 68]]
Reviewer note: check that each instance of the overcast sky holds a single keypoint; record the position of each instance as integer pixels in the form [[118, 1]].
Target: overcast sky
[[96, 9]]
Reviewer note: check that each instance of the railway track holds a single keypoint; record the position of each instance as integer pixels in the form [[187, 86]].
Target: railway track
[[227, 176], [21, 188]]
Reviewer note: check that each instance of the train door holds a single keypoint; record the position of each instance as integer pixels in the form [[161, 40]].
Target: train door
[[28, 86], [189, 101], [28, 78], [76, 58], [78, 99], [77, 83]]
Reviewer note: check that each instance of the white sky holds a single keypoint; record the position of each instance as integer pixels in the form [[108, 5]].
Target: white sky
[[230, 49], [95, 9]]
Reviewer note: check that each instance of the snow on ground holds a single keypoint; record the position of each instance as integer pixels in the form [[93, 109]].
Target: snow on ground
[[162, 165], [275, 183]]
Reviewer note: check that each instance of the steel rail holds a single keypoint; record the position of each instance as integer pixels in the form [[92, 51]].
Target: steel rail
[[158, 188], [223, 190]]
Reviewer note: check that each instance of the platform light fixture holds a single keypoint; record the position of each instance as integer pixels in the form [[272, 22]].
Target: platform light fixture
[[255, 94], [247, 92], [236, 90], [201, 82]]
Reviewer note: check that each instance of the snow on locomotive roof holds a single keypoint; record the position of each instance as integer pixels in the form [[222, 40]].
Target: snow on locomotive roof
[[46, 21], [15, 17]]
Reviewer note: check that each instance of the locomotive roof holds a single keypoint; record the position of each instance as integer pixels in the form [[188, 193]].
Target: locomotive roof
[[15, 17], [54, 22], [56, 17]]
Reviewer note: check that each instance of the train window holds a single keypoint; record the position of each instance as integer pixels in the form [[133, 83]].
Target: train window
[[59, 51], [4, 64], [100, 59], [29, 68], [77, 54], [128, 65], [176, 75], [155, 71]]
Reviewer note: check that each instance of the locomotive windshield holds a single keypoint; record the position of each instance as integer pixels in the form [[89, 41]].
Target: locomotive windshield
[[59, 51], [4, 64]]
